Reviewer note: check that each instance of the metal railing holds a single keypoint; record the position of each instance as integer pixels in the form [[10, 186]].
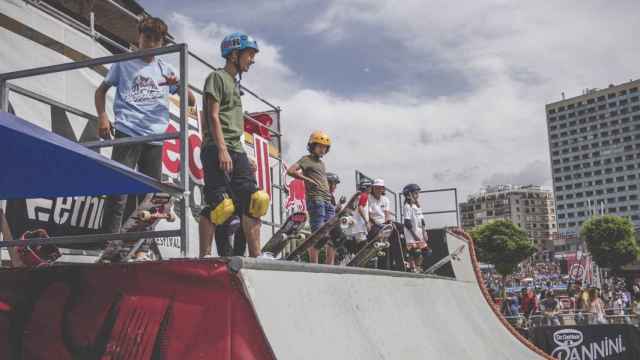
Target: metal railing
[[538, 319], [449, 211], [183, 188]]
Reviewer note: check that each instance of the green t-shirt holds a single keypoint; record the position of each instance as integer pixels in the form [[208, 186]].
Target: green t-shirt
[[222, 87], [313, 168]]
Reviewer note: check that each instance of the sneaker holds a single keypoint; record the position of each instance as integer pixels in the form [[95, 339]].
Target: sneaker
[[266, 255]]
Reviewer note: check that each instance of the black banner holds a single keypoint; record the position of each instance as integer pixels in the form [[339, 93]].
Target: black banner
[[593, 342], [438, 244]]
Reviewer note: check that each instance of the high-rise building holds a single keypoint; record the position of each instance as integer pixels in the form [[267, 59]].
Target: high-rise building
[[528, 207], [594, 142]]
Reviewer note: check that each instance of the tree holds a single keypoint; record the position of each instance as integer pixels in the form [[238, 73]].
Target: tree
[[611, 241], [502, 244]]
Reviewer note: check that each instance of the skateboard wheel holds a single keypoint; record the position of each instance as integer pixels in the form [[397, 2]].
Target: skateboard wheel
[[145, 215]]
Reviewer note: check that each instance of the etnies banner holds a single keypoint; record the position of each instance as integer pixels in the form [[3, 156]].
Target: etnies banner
[[594, 342]]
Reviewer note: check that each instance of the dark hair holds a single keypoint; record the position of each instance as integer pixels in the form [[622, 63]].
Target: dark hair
[[154, 26]]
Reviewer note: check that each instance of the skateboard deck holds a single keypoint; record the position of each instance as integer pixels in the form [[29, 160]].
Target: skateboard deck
[[153, 208], [455, 255], [374, 247], [324, 230], [291, 227]]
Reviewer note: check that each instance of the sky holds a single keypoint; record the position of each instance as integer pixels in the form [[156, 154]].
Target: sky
[[439, 93]]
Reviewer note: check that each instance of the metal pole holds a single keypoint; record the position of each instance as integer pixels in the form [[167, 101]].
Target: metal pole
[[4, 96], [455, 194], [184, 151], [281, 178]]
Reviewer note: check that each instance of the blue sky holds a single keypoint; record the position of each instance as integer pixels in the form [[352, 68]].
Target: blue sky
[[442, 93]]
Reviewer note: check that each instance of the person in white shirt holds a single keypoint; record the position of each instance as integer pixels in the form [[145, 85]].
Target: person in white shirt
[[379, 213], [414, 226]]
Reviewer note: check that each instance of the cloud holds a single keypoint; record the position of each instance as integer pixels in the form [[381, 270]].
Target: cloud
[[533, 173], [509, 58]]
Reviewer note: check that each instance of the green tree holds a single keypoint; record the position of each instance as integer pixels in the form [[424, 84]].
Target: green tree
[[611, 241], [502, 244]]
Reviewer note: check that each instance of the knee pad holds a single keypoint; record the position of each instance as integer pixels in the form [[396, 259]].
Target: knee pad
[[258, 204], [223, 209]]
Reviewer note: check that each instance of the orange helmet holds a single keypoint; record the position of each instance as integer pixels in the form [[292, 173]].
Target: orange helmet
[[319, 137]]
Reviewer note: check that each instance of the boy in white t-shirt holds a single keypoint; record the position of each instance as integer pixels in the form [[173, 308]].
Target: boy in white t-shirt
[[378, 205], [414, 225]]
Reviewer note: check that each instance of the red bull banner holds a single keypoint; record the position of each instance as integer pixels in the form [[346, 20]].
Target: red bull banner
[[297, 197]]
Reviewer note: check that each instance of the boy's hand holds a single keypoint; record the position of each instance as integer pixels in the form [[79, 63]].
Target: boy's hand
[[104, 126], [169, 80], [254, 166], [226, 164]]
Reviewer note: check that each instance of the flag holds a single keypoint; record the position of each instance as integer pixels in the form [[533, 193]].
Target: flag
[[263, 173]]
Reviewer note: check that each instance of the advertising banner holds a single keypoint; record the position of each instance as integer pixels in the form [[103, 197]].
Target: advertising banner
[[593, 342]]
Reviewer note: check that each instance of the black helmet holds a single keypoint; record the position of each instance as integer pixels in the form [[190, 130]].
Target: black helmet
[[364, 184], [333, 178], [410, 188]]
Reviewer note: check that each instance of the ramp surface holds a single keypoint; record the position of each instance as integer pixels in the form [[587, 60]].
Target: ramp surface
[[321, 312]]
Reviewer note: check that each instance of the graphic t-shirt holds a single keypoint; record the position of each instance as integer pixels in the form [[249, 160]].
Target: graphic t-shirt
[[225, 91], [314, 168], [141, 104], [413, 213], [377, 208]]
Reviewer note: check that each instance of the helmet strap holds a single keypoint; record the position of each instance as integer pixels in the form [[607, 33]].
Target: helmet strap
[[239, 72]]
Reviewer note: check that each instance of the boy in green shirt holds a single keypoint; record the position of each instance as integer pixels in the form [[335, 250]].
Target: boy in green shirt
[[311, 169], [230, 187]]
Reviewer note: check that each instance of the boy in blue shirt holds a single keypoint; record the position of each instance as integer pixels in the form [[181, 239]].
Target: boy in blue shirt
[[141, 108]]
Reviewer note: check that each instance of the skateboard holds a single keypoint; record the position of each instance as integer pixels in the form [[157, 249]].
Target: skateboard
[[153, 208], [324, 230], [455, 255], [377, 246], [289, 230]]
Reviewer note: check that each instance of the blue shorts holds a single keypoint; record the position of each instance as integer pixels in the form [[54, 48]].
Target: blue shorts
[[319, 213]]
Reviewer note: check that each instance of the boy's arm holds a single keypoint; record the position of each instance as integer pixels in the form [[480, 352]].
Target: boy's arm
[[295, 171], [226, 164], [104, 124]]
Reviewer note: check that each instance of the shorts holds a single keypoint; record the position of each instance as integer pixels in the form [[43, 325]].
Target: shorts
[[320, 211], [239, 187]]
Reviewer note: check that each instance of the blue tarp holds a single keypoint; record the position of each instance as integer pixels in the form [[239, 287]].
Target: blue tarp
[[37, 163]]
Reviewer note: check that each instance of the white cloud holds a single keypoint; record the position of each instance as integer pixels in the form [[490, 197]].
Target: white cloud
[[517, 56]]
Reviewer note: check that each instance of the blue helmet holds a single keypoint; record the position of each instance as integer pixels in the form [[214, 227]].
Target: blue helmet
[[237, 41]]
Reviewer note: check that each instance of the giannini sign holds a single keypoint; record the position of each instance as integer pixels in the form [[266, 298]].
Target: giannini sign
[[571, 346]]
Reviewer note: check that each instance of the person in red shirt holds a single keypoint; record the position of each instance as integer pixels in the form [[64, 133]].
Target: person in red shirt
[[528, 302]]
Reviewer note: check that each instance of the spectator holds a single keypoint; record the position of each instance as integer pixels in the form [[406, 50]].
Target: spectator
[[635, 308], [528, 302], [619, 306], [550, 308], [596, 308], [141, 108]]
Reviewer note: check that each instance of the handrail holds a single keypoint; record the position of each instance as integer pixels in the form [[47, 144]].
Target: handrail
[[182, 50], [46, 70]]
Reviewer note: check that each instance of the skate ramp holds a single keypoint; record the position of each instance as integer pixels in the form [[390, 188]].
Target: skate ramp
[[322, 312]]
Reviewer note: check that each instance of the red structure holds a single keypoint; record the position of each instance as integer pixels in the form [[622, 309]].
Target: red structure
[[182, 309]]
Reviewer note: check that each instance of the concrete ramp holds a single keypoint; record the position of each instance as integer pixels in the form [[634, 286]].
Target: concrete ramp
[[322, 312]]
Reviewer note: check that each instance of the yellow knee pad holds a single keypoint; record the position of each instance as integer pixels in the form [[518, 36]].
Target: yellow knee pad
[[259, 204], [223, 211]]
